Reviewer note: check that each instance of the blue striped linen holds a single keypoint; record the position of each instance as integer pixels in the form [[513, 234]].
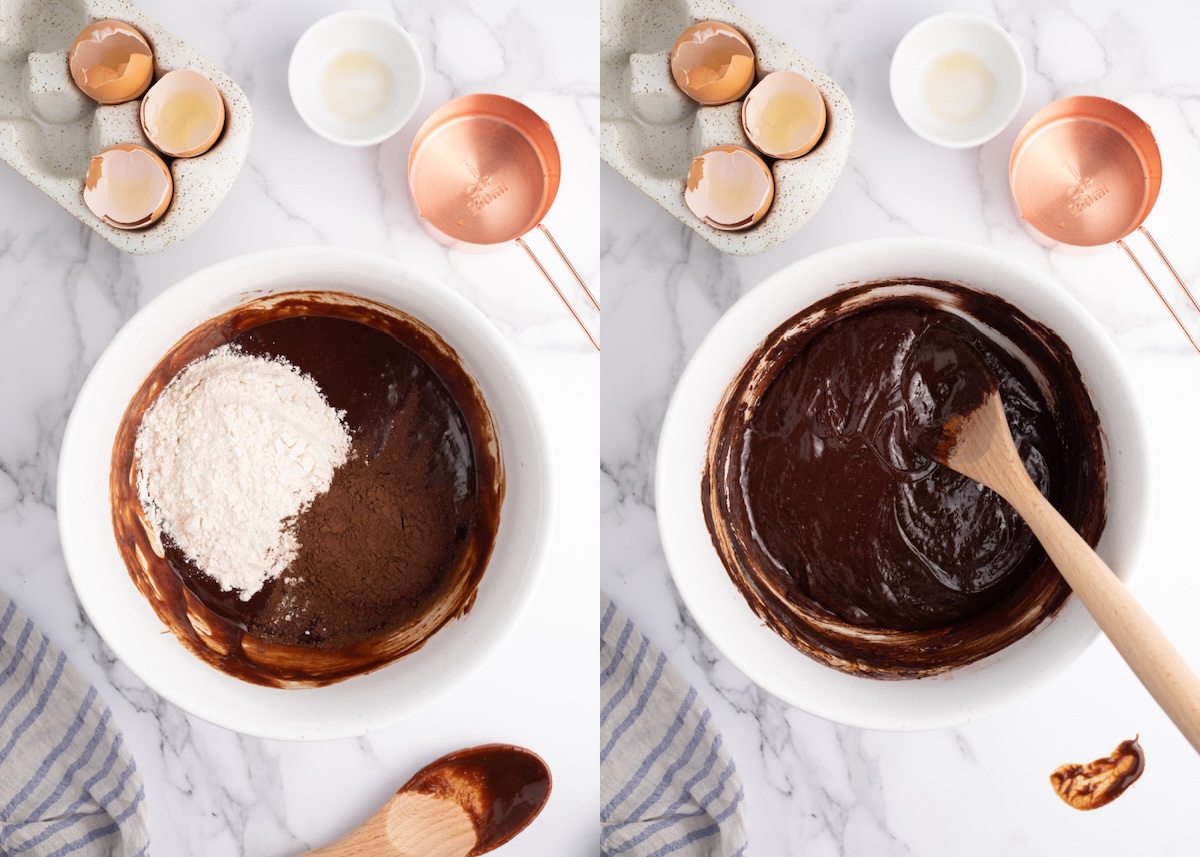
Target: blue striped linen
[[68, 784], [668, 785]]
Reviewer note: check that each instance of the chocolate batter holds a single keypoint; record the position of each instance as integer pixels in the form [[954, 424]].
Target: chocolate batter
[[1100, 782], [502, 788], [841, 534], [398, 544]]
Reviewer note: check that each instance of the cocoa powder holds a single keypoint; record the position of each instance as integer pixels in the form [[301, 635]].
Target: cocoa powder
[[376, 547]]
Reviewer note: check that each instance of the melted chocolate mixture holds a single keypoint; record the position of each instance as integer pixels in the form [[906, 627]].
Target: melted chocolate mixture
[[947, 378], [1097, 783], [397, 545], [847, 539], [501, 787]]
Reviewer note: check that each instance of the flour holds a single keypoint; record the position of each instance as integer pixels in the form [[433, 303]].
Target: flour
[[232, 450]]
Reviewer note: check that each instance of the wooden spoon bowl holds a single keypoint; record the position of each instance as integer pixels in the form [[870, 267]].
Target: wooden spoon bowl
[[464, 804]]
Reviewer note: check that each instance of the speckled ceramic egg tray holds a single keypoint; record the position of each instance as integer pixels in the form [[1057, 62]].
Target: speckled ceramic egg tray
[[650, 130], [49, 130]]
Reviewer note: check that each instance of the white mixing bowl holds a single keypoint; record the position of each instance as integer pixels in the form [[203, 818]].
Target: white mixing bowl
[[129, 624], [958, 695]]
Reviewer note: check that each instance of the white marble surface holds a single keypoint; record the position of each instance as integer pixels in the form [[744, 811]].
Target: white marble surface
[[816, 788], [64, 292]]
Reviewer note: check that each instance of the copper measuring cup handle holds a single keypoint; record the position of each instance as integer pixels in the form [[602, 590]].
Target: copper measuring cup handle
[[567, 262], [1175, 274], [549, 279]]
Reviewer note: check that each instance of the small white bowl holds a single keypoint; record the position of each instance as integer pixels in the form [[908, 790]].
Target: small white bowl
[[356, 77], [957, 79], [958, 695], [125, 619]]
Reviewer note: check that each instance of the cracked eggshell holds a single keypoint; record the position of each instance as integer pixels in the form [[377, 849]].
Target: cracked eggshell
[[712, 63], [111, 62], [729, 188], [183, 114], [128, 186], [784, 115]]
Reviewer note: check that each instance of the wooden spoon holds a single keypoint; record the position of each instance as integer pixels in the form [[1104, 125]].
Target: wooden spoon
[[465, 803], [977, 443]]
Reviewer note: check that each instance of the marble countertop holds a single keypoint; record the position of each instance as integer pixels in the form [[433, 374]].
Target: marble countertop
[[819, 788], [64, 292]]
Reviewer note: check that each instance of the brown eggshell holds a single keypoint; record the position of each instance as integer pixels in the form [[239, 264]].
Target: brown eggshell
[[183, 114], [729, 188], [784, 115], [128, 186], [111, 62], [713, 63]]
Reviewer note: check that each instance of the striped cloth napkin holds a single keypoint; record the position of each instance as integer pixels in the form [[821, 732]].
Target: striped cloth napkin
[[68, 784], [667, 783]]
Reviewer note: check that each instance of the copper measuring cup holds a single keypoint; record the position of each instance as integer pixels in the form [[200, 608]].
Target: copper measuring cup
[[1086, 171], [484, 170]]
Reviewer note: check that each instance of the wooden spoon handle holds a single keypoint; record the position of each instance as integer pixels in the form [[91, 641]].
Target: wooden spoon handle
[[1144, 647]]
